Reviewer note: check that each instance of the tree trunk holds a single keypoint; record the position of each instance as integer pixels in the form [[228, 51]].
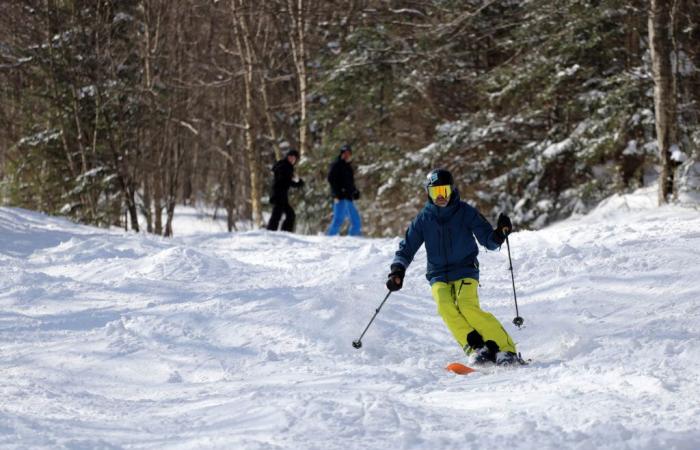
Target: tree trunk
[[170, 214], [298, 41], [661, 43], [158, 198], [147, 207], [230, 196], [175, 165], [131, 205], [244, 48], [269, 118]]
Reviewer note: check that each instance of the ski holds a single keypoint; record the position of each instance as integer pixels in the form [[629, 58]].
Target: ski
[[461, 369]]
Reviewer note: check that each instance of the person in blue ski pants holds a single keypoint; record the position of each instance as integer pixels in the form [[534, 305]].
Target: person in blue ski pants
[[342, 181], [343, 209]]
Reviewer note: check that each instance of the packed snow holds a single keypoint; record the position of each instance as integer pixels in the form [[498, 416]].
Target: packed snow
[[110, 339]]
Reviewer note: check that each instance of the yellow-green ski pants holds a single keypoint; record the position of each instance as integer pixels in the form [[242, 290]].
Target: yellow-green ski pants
[[458, 305]]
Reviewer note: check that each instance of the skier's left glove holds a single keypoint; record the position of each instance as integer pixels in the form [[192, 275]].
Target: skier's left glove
[[503, 229], [356, 195], [395, 281]]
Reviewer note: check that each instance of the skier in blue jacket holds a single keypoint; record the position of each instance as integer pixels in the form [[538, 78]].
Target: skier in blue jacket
[[448, 227]]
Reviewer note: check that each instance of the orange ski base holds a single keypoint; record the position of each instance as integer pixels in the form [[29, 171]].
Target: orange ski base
[[459, 368]]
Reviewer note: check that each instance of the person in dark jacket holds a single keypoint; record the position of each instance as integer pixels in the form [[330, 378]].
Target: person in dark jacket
[[284, 179], [342, 181], [448, 227]]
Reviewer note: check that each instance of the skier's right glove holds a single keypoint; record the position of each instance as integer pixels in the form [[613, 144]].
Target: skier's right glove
[[395, 281]]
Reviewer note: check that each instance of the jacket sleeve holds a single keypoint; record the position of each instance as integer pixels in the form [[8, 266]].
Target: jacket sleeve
[[482, 229], [410, 244]]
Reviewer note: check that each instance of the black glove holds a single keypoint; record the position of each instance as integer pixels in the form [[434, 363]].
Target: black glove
[[300, 183], [356, 195], [397, 271], [503, 228]]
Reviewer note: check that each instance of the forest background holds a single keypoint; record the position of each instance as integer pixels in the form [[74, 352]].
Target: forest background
[[117, 111]]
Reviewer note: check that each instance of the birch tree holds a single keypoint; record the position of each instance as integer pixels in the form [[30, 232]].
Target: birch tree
[[661, 46], [242, 30]]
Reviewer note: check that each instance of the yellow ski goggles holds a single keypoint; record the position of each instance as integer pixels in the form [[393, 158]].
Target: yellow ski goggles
[[440, 191]]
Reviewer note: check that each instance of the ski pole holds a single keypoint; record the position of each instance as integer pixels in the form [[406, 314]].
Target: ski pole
[[518, 321], [358, 342]]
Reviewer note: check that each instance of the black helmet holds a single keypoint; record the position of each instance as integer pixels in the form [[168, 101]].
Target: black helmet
[[439, 177], [345, 148], [292, 152], [439, 184]]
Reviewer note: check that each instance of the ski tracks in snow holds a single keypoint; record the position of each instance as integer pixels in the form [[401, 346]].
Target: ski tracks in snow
[[244, 340]]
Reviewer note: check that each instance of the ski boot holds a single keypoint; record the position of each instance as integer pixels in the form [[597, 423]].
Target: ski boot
[[506, 358], [486, 354], [510, 359]]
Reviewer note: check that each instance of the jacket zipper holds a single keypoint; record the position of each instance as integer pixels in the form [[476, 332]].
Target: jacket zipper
[[444, 249]]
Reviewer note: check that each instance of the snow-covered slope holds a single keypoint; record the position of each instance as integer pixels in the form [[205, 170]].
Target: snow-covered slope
[[111, 340]]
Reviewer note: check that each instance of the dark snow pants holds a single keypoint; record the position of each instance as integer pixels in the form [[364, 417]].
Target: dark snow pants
[[279, 209]]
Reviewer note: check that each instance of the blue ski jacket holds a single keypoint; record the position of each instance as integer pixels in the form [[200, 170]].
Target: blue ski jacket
[[448, 234]]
